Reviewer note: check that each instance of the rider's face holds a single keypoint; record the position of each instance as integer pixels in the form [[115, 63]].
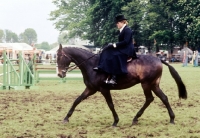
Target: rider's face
[[119, 25]]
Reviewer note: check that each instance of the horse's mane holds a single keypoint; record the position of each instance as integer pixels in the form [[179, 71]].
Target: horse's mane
[[80, 49]]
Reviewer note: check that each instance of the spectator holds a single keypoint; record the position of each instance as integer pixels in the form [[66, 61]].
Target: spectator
[[47, 58], [50, 57], [196, 58], [185, 58]]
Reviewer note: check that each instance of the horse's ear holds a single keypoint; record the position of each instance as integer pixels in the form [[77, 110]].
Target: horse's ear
[[60, 47]]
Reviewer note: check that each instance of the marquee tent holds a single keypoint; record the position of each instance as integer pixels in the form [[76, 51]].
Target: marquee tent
[[13, 49]]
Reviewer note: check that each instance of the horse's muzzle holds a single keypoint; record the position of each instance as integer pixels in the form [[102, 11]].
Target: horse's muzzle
[[61, 75]]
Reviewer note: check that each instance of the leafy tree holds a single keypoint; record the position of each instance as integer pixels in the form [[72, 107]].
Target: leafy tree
[[159, 24], [53, 45], [1, 35], [10, 37], [63, 38], [28, 36], [15, 38], [88, 19], [43, 45], [189, 22], [70, 16], [22, 38]]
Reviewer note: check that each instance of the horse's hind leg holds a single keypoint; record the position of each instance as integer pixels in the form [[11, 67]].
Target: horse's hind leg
[[83, 96], [149, 98], [108, 97], [164, 99]]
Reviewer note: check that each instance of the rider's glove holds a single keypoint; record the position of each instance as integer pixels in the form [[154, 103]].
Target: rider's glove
[[110, 45]]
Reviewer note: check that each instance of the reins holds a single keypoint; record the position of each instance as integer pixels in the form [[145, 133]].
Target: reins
[[72, 67]]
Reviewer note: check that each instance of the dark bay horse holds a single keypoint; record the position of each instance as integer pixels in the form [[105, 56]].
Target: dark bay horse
[[146, 70]]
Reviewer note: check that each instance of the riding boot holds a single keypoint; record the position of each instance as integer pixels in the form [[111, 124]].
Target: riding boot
[[112, 80]]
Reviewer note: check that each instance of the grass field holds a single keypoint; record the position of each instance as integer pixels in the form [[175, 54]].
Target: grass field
[[39, 113]]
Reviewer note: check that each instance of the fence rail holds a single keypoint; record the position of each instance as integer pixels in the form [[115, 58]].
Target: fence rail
[[16, 76], [22, 74]]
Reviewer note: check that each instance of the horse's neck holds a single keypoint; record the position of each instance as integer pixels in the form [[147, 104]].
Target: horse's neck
[[82, 59]]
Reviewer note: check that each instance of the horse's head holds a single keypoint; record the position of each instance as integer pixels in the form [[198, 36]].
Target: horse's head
[[63, 61]]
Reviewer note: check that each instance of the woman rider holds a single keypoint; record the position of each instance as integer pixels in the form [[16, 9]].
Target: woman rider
[[113, 59]]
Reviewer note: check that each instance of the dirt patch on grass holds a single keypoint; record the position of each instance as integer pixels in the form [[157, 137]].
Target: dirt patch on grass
[[39, 113]]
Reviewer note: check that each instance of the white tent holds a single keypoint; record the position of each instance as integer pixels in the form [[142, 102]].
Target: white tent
[[13, 48], [16, 46]]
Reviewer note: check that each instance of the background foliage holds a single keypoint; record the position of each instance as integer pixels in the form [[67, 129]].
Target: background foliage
[[169, 22]]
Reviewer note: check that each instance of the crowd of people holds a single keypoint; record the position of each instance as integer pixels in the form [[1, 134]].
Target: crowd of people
[[194, 61]]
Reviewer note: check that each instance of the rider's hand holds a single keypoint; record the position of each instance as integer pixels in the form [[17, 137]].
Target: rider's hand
[[110, 45]]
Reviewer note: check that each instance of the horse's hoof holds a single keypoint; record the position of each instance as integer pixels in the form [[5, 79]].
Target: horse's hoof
[[134, 123], [172, 123], [65, 121], [113, 126]]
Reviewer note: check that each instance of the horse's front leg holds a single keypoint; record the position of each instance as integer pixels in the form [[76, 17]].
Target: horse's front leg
[[87, 92], [108, 97]]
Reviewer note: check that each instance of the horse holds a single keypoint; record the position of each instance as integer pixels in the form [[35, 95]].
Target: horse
[[146, 69]]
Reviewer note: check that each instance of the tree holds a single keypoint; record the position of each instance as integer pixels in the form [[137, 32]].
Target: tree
[[70, 16], [43, 45], [189, 22], [88, 19], [29, 36], [63, 38], [10, 37], [1, 35], [53, 45], [15, 38], [160, 24]]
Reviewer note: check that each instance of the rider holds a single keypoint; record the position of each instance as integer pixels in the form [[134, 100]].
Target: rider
[[113, 59]]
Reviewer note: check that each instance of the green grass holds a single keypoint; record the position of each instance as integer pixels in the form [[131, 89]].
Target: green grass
[[39, 113]]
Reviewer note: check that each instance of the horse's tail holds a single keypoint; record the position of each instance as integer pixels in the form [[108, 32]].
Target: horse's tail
[[181, 86]]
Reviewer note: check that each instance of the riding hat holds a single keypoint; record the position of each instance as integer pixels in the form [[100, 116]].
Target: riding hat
[[119, 18]]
